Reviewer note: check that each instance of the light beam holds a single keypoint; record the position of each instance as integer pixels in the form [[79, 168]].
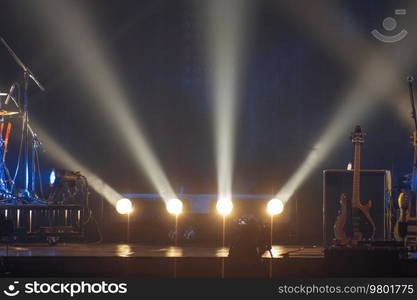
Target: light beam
[[227, 24], [377, 78], [60, 155], [69, 26]]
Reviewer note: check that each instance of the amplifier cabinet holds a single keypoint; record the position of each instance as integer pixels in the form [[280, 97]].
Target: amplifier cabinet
[[375, 185]]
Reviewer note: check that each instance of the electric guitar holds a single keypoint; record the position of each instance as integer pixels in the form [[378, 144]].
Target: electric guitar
[[401, 226], [407, 199], [354, 222]]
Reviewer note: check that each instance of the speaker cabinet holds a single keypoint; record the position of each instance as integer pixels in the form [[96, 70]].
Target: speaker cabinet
[[375, 185]]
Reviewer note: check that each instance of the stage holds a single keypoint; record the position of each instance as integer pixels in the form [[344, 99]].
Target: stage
[[137, 260]]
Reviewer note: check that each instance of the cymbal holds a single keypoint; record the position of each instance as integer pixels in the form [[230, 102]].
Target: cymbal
[[4, 112]]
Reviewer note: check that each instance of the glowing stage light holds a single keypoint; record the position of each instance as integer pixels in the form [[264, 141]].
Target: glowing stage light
[[58, 177], [224, 207], [275, 207], [124, 206], [349, 166], [174, 206], [52, 177]]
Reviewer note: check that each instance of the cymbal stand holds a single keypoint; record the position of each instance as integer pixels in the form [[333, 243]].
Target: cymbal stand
[[36, 147]]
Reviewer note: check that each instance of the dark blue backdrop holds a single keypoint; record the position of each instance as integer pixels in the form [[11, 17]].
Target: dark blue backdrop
[[293, 84]]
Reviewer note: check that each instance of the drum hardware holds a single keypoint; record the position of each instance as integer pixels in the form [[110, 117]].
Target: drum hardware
[[4, 112], [28, 158], [6, 196], [19, 201]]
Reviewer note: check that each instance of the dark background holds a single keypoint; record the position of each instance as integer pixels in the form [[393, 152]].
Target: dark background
[[292, 86]]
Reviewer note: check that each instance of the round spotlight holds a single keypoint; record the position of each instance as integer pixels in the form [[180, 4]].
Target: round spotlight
[[224, 207], [275, 207], [124, 206], [174, 206], [52, 177]]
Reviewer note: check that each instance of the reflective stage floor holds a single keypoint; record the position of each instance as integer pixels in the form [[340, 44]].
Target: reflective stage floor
[[136, 250], [137, 260]]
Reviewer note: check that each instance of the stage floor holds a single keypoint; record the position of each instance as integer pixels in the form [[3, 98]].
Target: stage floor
[[139, 260], [139, 250]]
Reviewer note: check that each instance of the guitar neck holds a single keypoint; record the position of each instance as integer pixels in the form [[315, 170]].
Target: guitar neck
[[356, 176], [414, 173]]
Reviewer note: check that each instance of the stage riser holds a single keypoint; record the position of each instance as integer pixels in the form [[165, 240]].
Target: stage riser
[[35, 221]]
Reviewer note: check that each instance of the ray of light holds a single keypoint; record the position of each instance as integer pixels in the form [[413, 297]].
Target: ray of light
[[70, 26]]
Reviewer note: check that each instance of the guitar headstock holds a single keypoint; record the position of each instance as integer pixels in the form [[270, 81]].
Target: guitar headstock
[[357, 136]]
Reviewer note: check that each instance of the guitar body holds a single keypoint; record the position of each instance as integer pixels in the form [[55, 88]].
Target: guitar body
[[363, 224], [404, 203], [399, 233], [340, 224]]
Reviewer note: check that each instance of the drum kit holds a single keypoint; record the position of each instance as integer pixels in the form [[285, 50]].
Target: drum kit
[[14, 107]]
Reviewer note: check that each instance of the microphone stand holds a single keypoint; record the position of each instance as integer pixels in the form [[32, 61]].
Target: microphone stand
[[36, 147], [3, 186], [410, 80], [22, 65], [27, 76]]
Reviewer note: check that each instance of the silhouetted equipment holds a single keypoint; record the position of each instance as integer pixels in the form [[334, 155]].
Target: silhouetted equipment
[[63, 217], [250, 240], [406, 225], [68, 187], [43, 222], [370, 259], [6, 227]]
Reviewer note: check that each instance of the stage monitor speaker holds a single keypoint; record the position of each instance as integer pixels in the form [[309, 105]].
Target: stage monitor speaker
[[375, 185]]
